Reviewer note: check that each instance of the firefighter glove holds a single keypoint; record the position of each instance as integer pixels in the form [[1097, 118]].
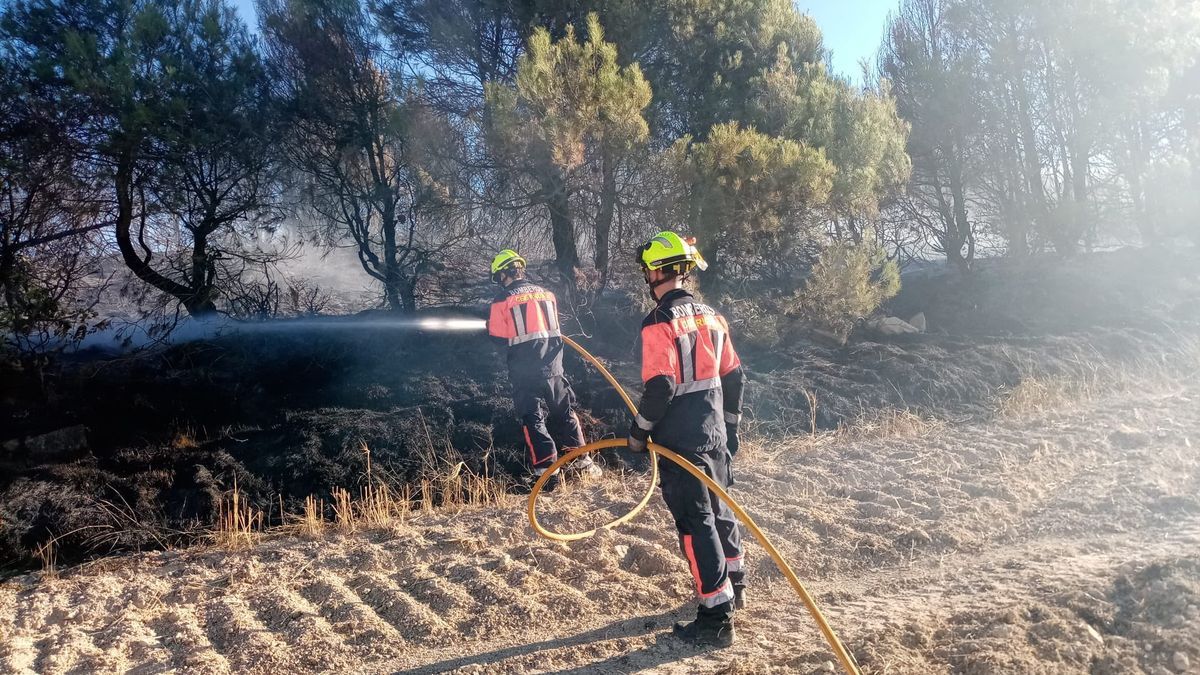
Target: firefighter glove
[[638, 435], [732, 442]]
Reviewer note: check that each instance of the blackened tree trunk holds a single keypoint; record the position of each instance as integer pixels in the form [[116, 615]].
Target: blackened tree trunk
[[964, 234], [391, 271], [204, 277], [562, 231], [139, 262], [604, 217]]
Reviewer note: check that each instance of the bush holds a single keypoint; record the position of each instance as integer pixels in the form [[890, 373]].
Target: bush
[[848, 283]]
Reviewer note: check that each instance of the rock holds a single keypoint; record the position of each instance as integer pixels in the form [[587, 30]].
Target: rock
[[1181, 662], [918, 321], [621, 550], [890, 325]]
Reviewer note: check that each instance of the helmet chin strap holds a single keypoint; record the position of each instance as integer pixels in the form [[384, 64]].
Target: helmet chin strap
[[655, 284]]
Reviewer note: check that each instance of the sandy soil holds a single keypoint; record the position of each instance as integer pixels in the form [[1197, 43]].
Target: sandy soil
[[1064, 542]]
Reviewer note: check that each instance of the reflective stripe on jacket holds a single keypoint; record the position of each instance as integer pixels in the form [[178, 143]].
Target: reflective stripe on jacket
[[692, 375], [525, 317]]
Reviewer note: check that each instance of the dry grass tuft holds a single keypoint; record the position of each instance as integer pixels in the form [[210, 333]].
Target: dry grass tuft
[[812, 411], [381, 503], [448, 481], [47, 555], [881, 424], [185, 439], [238, 522], [1034, 396], [311, 523], [888, 423]]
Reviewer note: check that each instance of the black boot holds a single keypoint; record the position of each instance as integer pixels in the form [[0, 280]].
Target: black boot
[[738, 581], [739, 597], [713, 627]]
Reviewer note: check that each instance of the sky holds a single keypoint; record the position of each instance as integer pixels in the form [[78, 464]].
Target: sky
[[246, 7], [852, 28]]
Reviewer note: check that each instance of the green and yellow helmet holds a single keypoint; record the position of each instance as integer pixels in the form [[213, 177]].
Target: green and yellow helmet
[[507, 259], [669, 251]]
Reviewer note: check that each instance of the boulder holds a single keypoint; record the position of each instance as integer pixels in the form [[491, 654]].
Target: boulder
[[890, 325], [918, 321]]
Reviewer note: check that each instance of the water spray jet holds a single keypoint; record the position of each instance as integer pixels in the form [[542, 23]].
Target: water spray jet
[[436, 324]]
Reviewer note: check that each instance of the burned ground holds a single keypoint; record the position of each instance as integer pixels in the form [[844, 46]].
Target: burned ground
[[134, 452]]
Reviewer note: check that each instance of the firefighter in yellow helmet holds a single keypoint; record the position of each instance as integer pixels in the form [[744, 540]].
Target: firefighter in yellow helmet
[[692, 404], [524, 322]]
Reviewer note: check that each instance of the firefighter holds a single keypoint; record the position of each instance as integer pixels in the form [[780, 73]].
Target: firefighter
[[524, 321], [691, 404]]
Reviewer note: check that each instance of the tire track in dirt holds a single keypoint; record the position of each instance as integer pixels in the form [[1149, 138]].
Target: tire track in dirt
[[181, 632], [1012, 574], [241, 639], [415, 621], [433, 587], [295, 622], [350, 617]]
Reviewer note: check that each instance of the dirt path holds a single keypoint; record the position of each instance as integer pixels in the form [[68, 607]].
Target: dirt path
[[1057, 543]]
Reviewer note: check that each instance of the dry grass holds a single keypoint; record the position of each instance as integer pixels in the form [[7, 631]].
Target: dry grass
[[311, 523], [888, 423], [447, 481], [1036, 395], [382, 503], [238, 522], [876, 425], [47, 555], [185, 439], [812, 411]]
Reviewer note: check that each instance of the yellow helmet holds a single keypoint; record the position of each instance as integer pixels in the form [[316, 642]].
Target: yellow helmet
[[507, 259], [667, 250]]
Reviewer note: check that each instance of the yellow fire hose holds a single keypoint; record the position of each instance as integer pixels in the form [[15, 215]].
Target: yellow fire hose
[[844, 656]]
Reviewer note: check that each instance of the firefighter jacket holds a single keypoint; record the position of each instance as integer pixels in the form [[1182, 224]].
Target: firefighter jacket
[[692, 375], [524, 320]]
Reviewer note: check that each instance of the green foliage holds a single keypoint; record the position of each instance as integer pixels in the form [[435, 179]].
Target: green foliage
[[418, 131], [848, 283], [868, 148], [568, 98], [809, 150], [39, 311], [702, 56], [860, 132], [564, 129], [741, 182], [167, 110]]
